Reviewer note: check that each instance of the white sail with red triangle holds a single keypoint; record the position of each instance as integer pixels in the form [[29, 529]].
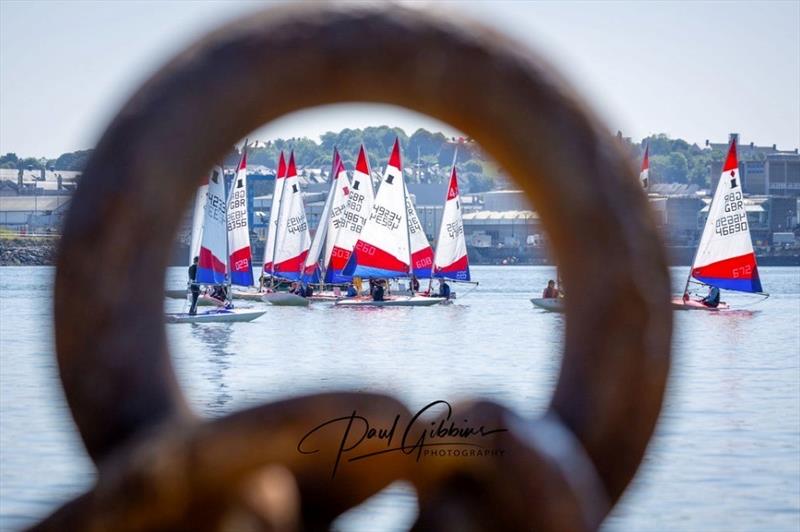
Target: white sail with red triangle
[[357, 210], [272, 229], [329, 224], [421, 252], [383, 248], [725, 256], [293, 239], [213, 247], [451, 260], [240, 260], [644, 173]]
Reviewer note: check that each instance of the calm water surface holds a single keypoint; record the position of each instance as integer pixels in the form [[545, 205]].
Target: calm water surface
[[726, 455]]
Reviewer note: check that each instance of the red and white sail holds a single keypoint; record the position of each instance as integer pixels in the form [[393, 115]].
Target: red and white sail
[[357, 210], [293, 239], [240, 260], [644, 173], [725, 256], [382, 250], [330, 222], [272, 229], [451, 248], [421, 251]]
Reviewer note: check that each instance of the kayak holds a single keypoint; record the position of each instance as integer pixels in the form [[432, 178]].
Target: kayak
[[215, 316], [552, 304], [693, 304], [392, 301], [285, 299]]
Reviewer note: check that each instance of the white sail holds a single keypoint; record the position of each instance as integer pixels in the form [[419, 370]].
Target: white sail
[[213, 248], [197, 221], [293, 239], [240, 260], [272, 228], [357, 210], [328, 224], [383, 249], [451, 248], [421, 252]]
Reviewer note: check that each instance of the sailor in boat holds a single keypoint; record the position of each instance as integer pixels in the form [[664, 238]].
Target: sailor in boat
[[413, 284], [712, 299], [193, 286], [308, 290], [378, 291], [357, 285], [220, 293], [444, 289], [351, 290], [551, 292]]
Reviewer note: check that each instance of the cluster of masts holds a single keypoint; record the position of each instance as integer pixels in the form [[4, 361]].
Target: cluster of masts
[[362, 233]]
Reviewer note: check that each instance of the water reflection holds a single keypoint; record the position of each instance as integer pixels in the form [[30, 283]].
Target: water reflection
[[216, 340]]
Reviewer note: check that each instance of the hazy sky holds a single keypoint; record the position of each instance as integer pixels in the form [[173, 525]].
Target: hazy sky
[[694, 70]]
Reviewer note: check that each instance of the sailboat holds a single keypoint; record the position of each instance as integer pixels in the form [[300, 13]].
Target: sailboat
[[360, 199], [213, 254], [384, 248], [292, 239], [725, 258], [451, 260]]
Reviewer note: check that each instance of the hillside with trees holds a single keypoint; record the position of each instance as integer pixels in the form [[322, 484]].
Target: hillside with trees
[[429, 154]]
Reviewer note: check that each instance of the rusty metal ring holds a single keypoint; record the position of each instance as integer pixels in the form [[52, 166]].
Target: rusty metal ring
[[112, 350]]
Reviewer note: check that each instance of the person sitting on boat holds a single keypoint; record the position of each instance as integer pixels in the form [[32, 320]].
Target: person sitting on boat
[[413, 285], [351, 290], [309, 290], [219, 292], [444, 289], [378, 291], [551, 292], [712, 299], [193, 286]]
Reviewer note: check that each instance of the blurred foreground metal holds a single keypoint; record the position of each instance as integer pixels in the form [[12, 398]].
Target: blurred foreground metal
[[161, 467]]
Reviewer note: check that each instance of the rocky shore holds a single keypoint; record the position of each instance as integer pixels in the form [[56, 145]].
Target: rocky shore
[[28, 251]]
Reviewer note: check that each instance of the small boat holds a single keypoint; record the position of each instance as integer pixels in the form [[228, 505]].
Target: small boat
[[215, 316], [552, 304], [247, 295], [285, 299], [392, 301], [724, 258]]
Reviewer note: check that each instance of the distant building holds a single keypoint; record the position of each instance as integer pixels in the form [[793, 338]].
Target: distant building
[[32, 212], [506, 200], [510, 228]]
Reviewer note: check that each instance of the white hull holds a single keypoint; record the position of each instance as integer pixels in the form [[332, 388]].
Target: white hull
[[552, 304], [285, 299], [392, 301], [246, 295], [202, 301], [215, 316]]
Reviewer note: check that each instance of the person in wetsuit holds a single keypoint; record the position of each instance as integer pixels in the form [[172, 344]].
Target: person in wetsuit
[[378, 291], [193, 286], [712, 299], [444, 289]]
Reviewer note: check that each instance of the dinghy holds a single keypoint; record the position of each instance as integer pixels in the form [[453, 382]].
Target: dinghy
[[220, 315], [552, 304], [392, 301], [724, 258], [284, 299]]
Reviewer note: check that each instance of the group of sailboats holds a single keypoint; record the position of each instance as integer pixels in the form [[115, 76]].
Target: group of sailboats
[[724, 259], [361, 235]]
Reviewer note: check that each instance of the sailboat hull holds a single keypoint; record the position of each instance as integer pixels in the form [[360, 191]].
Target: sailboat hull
[[692, 304], [551, 304], [285, 299], [216, 316], [393, 301]]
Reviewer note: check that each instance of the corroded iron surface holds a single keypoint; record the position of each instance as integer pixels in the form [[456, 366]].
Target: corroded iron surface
[[161, 467]]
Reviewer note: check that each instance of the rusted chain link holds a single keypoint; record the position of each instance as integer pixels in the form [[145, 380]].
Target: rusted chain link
[[161, 467]]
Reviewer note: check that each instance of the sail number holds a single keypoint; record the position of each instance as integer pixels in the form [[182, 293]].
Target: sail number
[[733, 202], [365, 248], [742, 271], [455, 228], [383, 216], [731, 224]]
